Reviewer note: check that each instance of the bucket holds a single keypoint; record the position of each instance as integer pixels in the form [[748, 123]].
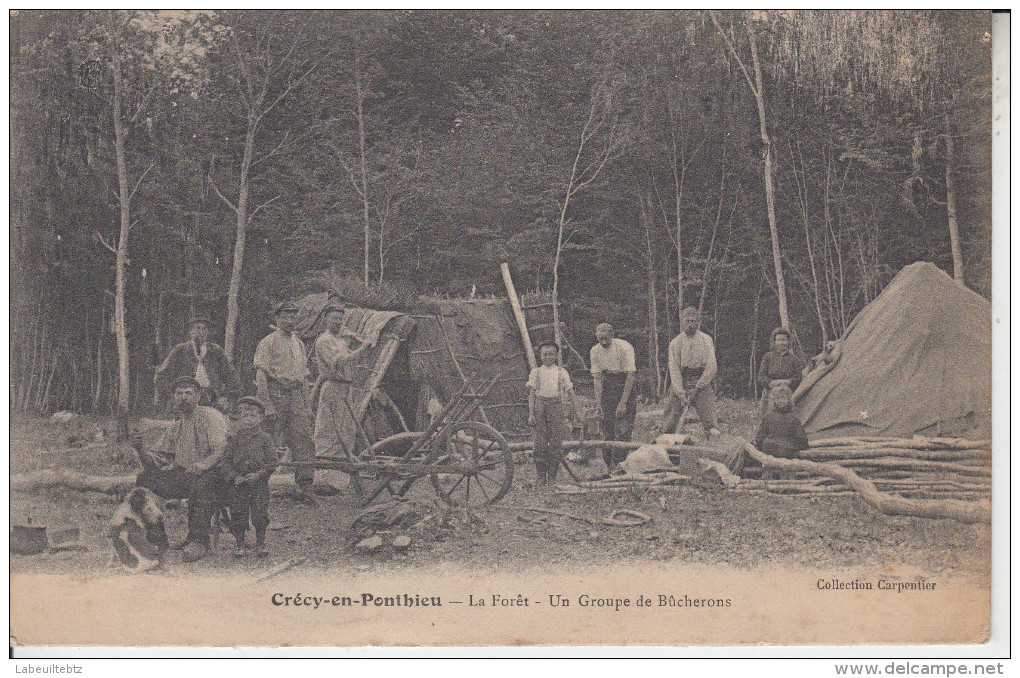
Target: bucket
[[28, 539]]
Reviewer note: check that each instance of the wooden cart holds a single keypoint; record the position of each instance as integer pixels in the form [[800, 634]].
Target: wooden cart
[[468, 463]]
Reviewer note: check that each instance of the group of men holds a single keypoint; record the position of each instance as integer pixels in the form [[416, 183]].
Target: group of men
[[202, 384], [192, 460], [692, 367]]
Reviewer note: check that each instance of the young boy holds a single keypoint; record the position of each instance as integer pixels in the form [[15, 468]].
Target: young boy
[[781, 433], [249, 460], [549, 382]]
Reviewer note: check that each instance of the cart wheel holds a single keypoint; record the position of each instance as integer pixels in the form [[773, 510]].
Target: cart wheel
[[488, 466]]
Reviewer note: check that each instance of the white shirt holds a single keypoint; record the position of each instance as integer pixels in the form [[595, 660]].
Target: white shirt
[[550, 382], [619, 357]]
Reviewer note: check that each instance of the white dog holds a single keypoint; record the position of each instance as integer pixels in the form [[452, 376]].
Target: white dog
[[137, 531]]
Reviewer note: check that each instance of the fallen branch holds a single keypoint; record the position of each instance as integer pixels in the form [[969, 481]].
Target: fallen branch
[[280, 569], [611, 520], [966, 512]]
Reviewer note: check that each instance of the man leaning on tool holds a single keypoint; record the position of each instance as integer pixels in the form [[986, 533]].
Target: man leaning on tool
[[613, 370], [282, 384], [692, 367]]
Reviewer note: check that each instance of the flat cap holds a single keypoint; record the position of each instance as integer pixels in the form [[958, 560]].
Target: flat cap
[[285, 306], [252, 400], [186, 381]]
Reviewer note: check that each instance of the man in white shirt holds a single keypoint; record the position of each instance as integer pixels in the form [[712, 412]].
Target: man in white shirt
[[282, 384], [613, 370], [692, 367]]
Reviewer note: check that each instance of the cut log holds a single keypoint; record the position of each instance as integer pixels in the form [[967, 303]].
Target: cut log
[[64, 477], [115, 486], [919, 443], [842, 452], [966, 512], [916, 465]]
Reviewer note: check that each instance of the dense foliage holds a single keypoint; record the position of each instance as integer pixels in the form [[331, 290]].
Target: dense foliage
[[422, 148]]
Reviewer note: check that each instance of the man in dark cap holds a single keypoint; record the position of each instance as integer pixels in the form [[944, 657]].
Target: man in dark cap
[[282, 383], [202, 360], [183, 462]]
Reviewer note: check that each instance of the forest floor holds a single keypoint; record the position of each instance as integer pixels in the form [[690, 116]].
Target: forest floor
[[694, 524]]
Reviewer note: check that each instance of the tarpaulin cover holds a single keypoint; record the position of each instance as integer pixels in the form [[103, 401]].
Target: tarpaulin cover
[[917, 359]]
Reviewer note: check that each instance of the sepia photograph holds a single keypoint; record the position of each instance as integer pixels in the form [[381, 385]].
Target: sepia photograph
[[464, 328]]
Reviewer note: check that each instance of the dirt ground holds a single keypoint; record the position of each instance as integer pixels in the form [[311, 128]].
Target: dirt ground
[[690, 525]]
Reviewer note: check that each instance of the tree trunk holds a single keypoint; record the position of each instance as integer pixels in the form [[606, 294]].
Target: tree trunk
[[954, 229], [770, 197], [359, 97], [678, 191], [119, 310], [233, 292], [653, 306]]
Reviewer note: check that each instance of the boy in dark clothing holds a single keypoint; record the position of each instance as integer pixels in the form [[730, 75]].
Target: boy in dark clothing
[[781, 434], [249, 460]]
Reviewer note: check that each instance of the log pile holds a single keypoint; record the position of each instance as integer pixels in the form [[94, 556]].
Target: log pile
[[926, 468]]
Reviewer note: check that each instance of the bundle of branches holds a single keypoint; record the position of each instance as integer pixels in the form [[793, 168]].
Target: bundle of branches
[[913, 467], [945, 500]]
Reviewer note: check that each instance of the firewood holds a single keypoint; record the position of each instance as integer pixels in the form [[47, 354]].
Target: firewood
[[967, 512]]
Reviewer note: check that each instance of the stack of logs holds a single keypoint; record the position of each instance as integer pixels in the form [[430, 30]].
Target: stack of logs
[[926, 468]]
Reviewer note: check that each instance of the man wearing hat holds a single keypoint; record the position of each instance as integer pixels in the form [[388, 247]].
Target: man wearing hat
[[614, 370], [335, 428], [692, 367], [282, 384], [183, 462], [202, 360]]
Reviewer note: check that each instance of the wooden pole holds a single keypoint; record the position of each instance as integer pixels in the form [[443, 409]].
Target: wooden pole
[[529, 351]]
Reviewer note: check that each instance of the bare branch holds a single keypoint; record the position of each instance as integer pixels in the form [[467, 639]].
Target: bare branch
[[287, 91], [105, 243], [224, 198], [144, 103], [256, 210], [140, 179]]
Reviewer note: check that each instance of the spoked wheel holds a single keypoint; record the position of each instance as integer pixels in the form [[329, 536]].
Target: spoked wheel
[[481, 463]]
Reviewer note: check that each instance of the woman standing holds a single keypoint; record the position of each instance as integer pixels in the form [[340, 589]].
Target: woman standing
[[780, 366]]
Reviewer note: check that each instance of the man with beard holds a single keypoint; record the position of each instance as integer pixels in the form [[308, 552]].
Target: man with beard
[[282, 384], [204, 361], [692, 367], [183, 463]]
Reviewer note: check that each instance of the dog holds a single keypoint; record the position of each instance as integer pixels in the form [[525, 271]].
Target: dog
[[138, 533]]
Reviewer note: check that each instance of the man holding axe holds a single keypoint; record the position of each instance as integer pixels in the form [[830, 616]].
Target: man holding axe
[[692, 367]]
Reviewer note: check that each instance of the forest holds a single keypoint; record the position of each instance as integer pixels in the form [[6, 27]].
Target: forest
[[767, 167]]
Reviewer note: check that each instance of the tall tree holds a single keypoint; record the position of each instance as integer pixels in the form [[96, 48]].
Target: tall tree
[[757, 91], [267, 58]]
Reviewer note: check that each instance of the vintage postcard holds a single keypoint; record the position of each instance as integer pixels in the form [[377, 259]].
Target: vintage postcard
[[504, 328]]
